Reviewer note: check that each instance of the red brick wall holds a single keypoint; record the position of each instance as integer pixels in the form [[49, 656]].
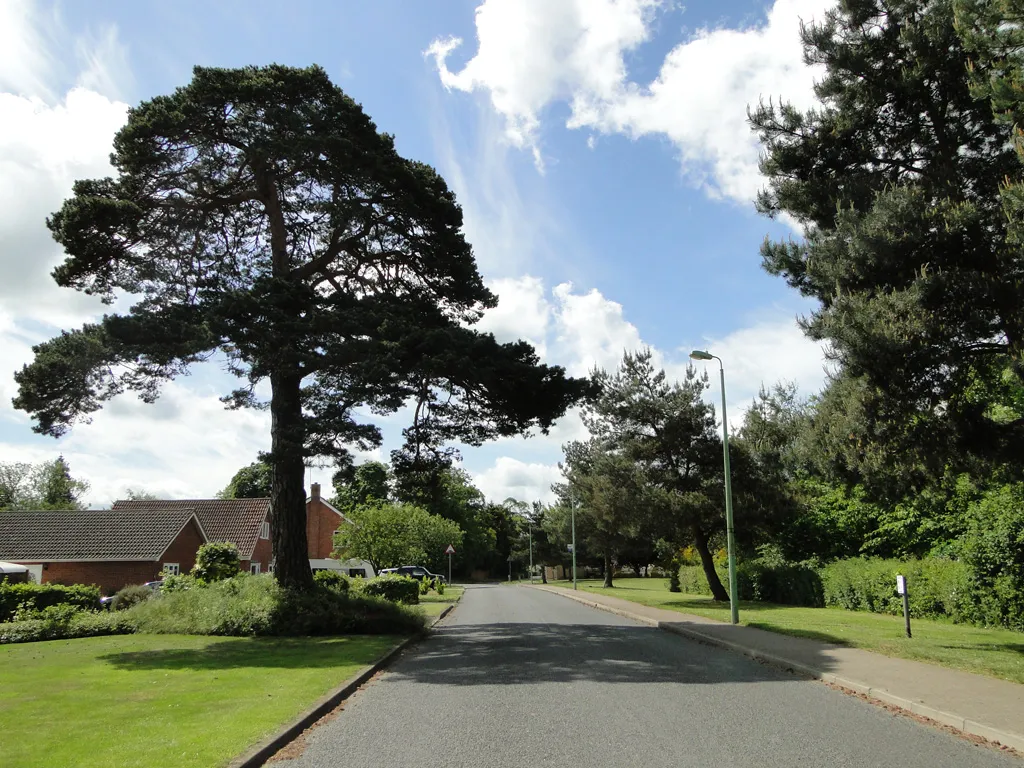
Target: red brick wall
[[262, 553], [183, 549], [111, 576], [321, 523]]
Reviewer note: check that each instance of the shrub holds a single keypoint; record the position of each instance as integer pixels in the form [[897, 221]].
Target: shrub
[[216, 561], [692, 580], [673, 579], [331, 580], [779, 582], [994, 552], [424, 586], [256, 605], [180, 583], [131, 595], [66, 622], [40, 596], [937, 587], [440, 587], [397, 589]]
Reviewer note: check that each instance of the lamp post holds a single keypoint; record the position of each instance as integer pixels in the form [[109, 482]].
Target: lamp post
[[531, 550], [730, 531], [573, 517]]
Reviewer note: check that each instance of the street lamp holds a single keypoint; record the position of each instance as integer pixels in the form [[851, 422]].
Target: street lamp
[[730, 531], [573, 516]]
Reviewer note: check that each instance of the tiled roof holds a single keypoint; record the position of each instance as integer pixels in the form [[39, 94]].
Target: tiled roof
[[91, 534], [234, 520]]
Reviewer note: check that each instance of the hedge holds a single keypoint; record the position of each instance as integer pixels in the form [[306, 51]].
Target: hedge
[[397, 589], [36, 597], [938, 587], [66, 622]]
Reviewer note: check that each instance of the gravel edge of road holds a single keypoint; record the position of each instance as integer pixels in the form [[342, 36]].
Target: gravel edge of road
[[264, 750], [1000, 740]]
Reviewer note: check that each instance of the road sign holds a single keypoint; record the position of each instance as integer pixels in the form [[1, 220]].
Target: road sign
[[901, 585], [569, 547], [450, 550]]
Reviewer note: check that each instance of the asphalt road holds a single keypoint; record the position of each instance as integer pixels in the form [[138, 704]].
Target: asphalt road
[[519, 677]]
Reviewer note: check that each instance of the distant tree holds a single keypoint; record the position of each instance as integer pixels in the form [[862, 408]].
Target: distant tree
[[140, 494], [390, 535], [360, 485], [257, 213], [251, 482], [47, 485]]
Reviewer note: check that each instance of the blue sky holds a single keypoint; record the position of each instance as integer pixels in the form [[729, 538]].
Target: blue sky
[[598, 147]]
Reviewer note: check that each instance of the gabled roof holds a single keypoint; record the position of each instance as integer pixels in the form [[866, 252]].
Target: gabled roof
[[92, 534], [331, 507], [234, 520]]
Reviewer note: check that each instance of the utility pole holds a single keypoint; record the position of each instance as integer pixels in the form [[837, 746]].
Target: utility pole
[[531, 550]]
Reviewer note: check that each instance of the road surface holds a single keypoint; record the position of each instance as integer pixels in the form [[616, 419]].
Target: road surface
[[520, 677]]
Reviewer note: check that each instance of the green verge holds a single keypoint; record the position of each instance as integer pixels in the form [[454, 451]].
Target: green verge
[[147, 700], [995, 652], [432, 604]]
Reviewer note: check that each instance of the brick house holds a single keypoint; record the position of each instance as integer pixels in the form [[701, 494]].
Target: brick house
[[138, 540], [104, 547], [243, 522]]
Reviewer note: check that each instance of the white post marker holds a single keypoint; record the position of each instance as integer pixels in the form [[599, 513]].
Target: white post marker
[[450, 551], [901, 589]]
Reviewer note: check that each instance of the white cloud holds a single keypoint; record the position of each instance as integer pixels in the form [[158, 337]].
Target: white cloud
[[531, 55], [534, 52], [510, 477], [522, 312]]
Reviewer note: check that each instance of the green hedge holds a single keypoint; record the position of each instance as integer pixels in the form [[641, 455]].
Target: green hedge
[[65, 622], [397, 589], [36, 597], [256, 605], [781, 583], [938, 587]]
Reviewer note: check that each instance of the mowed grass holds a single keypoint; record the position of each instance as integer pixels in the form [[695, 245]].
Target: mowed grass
[[995, 652], [162, 700], [433, 604]]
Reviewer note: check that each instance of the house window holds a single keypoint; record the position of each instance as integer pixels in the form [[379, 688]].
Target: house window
[[265, 530], [172, 569], [270, 567], [254, 568]]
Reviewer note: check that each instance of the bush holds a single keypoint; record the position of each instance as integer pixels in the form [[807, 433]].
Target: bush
[[256, 605], [994, 552], [216, 561], [397, 589], [331, 580], [937, 587], [40, 596], [66, 622], [180, 583], [692, 580], [440, 587], [779, 582], [131, 595], [673, 579]]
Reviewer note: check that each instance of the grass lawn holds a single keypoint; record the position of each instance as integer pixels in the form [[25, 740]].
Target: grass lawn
[[995, 652], [434, 603], [162, 700]]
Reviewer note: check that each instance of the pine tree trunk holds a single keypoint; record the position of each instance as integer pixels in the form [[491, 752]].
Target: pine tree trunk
[[543, 574], [287, 495], [707, 560], [608, 570]]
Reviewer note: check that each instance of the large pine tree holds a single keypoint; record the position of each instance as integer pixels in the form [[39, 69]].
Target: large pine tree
[[895, 180], [257, 214]]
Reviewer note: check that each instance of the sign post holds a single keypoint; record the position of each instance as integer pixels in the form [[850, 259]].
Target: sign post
[[450, 551], [901, 589]]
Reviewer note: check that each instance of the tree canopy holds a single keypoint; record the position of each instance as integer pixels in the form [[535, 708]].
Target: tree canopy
[[46, 485], [389, 535], [258, 217], [251, 482]]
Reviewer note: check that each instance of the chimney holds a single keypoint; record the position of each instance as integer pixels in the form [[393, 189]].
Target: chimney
[[314, 492]]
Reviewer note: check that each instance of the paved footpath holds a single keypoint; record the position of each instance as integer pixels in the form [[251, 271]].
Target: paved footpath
[[517, 677], [983, 706]]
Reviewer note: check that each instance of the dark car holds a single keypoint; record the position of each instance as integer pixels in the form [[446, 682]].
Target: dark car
[[417, 572]]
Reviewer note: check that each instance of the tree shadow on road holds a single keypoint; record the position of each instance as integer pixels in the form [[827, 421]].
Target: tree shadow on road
[[518, 653]]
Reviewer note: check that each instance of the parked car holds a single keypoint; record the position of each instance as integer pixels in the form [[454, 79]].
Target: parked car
[[153, 585], [417, 572]]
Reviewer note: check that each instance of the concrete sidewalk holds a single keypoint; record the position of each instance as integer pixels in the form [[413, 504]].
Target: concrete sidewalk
[[979, 705]]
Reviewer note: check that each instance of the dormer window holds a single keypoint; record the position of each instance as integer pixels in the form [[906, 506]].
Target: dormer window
[[265, 530]]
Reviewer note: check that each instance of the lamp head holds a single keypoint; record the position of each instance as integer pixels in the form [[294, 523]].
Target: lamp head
[[699, 355]]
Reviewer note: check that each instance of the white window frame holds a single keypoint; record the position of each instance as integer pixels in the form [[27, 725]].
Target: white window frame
[[270, 567], [265, 530], [172, 569], [254, 568]]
